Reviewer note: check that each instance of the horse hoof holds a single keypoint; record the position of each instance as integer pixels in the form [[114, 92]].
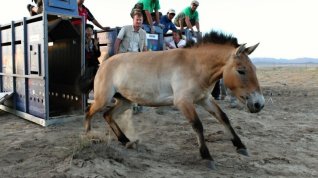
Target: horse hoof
[[87, 132], [211, 165], [130, 145], [242, 151]]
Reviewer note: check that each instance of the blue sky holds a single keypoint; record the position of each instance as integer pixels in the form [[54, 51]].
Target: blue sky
[[284, 28]]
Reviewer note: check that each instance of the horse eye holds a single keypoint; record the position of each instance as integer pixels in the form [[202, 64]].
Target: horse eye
[[241, 72]]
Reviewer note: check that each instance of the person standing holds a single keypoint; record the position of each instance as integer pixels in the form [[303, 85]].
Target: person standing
[[189, 17], [92, 52], [166, 21], [131, 38]]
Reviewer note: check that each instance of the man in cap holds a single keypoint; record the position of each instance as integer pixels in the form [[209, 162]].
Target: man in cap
[[166, 21], [189, 17]]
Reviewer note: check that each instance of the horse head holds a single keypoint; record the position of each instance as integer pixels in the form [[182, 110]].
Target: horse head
[[239, 76]]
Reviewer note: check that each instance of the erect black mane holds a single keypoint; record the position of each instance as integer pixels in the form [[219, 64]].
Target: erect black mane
[[215, 38]]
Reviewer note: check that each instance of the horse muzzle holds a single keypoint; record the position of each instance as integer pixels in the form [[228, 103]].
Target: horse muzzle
[[255, 102]]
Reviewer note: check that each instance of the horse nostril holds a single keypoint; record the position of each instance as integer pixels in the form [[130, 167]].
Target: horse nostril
[[257, 106]]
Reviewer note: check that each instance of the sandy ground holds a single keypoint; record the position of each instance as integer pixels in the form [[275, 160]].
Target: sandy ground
[[282, 139]]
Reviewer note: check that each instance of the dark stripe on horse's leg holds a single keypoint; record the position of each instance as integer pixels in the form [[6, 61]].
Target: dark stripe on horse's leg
[[113, 125], [240, 147], [88, 117], [198, 128]]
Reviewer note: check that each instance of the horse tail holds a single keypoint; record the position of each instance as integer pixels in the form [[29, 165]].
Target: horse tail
[[85, 85], [86, 81]]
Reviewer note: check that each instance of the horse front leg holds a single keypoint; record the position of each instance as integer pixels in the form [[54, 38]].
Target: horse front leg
[[188, 109], [212, 107]]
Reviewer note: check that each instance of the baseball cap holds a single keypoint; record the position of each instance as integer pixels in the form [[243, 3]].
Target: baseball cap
[[171, 11], [195, 2]]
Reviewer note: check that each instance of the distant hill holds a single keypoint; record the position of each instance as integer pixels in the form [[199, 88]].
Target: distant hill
[[285, 61]]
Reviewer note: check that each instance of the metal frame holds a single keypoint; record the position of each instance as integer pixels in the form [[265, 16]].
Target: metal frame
[[21, 30]]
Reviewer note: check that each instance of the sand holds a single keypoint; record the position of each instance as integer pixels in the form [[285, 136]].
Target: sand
[[282, 139]]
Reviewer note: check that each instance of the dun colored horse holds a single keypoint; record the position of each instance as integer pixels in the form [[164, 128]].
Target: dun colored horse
[[180, 77]]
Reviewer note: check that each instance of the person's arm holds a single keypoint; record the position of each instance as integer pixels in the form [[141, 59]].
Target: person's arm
[[116, 45], [172, 27], [95, 22], [96, 46], [181, 24], [145, 48], [121, 35], [197, 25], [170, 45], [144, 41], [187, 20], [157, 17], [91, 18], [149, 19]]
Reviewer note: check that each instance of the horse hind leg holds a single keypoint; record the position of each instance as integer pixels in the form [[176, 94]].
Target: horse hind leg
[[88, 117], [96, 106], [121, 106]]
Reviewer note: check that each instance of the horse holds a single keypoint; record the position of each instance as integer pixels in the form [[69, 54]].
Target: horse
[[181, 77]]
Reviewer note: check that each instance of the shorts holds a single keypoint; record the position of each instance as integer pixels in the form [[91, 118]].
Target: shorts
[[181, 18]]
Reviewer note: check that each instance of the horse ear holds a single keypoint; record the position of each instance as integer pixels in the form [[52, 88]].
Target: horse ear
[[250, 49], [240, 49]]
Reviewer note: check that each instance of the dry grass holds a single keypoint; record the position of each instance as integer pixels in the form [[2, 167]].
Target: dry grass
[[288, 76], [287, 81]]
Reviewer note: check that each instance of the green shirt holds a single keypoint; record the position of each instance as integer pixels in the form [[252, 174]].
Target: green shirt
[[192, 15], [150, 5]]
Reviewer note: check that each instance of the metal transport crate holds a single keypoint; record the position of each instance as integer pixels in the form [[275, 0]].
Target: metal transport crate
[[40, 60]]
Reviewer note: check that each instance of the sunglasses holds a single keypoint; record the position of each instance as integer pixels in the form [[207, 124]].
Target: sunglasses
[[194, 5]]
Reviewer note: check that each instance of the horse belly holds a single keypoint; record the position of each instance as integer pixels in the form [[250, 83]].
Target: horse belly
[[148, 95]]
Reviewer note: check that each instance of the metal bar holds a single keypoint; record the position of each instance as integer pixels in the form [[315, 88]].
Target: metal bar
[[26, 64], [40, 121], [23, 76], [45, 55], [1, 81], [13, 52], [84, 97]]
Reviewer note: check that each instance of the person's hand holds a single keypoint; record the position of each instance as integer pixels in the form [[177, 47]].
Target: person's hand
[[192, 32], [106, 28], [168, 45], [96, 41], [161, 25]]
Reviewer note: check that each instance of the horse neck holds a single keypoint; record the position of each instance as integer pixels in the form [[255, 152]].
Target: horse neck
[[213, 59]]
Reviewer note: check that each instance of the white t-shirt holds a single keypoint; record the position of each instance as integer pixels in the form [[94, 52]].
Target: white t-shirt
[[181, 44]]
